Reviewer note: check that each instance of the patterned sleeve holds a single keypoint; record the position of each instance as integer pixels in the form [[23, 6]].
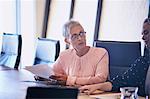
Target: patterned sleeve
[[134, 76]]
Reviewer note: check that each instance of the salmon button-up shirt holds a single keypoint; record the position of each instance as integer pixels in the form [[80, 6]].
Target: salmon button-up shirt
[[90, 68]]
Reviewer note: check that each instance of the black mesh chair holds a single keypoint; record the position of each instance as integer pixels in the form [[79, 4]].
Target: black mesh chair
[[11, 50], [51, 93], [47, 51], [121, 54]]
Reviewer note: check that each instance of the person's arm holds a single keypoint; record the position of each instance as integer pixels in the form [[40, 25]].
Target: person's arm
[[59, 73], [134, 76], [101, 74], [57, 67], [89, 89], [147, 82]]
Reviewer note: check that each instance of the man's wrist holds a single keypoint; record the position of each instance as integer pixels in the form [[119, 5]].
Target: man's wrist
[[71, 80]]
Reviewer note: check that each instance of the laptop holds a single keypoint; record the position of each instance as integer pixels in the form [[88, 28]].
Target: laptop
[[51, 92]]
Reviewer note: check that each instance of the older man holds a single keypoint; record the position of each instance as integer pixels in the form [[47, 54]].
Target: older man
[[82, 64]]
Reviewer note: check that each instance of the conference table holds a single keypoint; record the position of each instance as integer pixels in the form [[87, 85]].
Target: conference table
[[14, 83]]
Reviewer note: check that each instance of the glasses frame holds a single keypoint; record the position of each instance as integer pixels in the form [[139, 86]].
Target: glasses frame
[[76, 36]]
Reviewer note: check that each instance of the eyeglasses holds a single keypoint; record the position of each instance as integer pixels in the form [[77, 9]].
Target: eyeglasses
[[76, 36], [147, 20]]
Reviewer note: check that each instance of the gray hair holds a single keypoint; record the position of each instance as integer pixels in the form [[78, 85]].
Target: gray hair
[[67, 27]]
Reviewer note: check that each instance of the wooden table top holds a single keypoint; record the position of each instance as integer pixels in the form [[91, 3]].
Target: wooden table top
[[14, 83]]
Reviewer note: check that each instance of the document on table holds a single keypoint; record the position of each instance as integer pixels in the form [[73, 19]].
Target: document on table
[[41, 70]]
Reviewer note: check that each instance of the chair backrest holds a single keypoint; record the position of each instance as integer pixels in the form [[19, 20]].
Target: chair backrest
[[121, 54], [51, 93], [11, 50], [47, 51]]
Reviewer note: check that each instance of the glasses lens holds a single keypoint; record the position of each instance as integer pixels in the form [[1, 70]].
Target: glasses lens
[[76, 36], [82, 33]]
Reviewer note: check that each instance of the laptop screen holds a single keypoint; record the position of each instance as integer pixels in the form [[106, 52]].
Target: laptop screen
[[53, 92]]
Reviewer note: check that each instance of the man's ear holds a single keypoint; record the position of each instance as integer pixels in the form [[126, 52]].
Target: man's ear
[[67, 41]]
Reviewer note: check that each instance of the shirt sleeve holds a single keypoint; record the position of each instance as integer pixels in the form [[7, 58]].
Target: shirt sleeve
[[101, 74], [134, 76], [147, 82], [58, 67]]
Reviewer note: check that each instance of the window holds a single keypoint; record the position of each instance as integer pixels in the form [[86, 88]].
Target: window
[[8, 16], [85, 12], [59, 14], [28, 31], [122, 20]]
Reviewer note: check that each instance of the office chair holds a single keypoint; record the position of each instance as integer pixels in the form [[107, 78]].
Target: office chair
[[47, 51], [11, 50], [121, 54], [51, 92]]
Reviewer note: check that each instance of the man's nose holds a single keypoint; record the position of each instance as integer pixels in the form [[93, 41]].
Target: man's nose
[[79, 37]]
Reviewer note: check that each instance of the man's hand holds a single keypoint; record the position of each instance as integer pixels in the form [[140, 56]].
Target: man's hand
[[60, 78], [89, 89]]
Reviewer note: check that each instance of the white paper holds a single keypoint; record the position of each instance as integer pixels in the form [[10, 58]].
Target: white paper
[[41, 70]]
